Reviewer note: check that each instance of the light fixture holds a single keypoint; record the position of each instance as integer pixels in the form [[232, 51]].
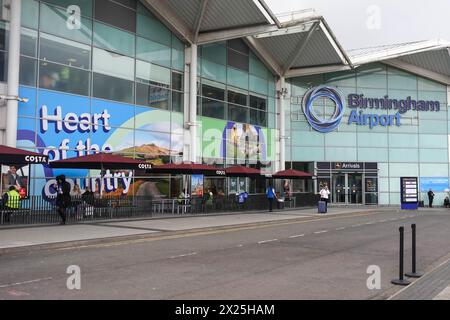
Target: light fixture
[[17, 98]]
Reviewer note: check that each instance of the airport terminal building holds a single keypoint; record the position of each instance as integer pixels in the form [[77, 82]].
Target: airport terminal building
[[223, 82]]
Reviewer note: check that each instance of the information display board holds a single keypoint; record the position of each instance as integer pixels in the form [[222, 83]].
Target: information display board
[[409, 193]]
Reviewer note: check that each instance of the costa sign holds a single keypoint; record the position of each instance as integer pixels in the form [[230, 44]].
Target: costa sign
[[144, 166], [36, 159]]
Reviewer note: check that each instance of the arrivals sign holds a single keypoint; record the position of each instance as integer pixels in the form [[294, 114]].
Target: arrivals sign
[[361, 117]]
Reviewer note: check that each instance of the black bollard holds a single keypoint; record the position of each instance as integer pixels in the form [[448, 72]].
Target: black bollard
[[400, 280], [413, 273]]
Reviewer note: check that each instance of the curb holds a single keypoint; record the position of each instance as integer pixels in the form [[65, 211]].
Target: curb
[[170, 234]]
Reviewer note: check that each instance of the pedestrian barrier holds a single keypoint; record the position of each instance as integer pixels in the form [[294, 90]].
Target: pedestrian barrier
[[400, 280], [413, 273], [42, 210]]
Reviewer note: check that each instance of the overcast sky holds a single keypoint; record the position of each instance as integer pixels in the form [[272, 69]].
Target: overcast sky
[[366, 23]]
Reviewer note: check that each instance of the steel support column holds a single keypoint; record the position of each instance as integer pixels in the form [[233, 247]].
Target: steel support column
[[13, 74]]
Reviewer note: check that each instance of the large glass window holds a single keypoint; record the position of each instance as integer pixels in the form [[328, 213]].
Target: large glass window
[[213, 108], [85, 5], [153, 52], [115, 14], [54, 20], [3, 66], [177, 81], [237, 98], [258, 103], [152, 74], [114, 39], [63, 78], [151, 28], [152, 96], [128, 3], [258, 117], [113, 64], [239, 46], [64, 51], [111, 88], [177, 101], [237, 113], [213, 92], [238, 60], [28, 42], [27, 75], [3, 36], [30, 13]]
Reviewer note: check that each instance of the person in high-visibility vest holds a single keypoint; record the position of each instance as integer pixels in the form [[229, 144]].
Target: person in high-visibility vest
[[11, 201]]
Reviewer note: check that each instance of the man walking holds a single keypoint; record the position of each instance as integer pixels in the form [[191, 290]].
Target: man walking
[[270, 193], [63, 196], [430, 198]]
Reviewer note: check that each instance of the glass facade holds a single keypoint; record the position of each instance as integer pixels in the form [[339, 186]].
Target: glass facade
[[418, 147], [112, 79]]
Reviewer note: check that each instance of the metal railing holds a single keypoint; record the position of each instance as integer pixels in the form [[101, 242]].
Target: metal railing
[[40, 210]]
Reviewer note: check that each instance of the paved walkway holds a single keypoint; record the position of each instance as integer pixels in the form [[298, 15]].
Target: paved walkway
[[27, 237], [434, 285]]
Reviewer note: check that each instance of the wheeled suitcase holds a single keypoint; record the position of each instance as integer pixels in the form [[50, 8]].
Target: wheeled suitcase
[[322, 207]]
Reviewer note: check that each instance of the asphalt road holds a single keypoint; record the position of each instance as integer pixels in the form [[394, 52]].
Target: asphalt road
[[319, 259]]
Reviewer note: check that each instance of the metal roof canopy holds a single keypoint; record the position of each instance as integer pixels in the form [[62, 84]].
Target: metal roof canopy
[[298, 46], [287, 49], [430, 59], [190, 18]]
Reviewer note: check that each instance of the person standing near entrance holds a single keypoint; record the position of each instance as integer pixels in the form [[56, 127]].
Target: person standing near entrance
[[430, 198], [270, 193], [324, 195]]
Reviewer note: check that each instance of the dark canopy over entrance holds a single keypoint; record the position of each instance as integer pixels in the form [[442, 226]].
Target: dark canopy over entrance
[[292, 174], [188, 168], [242, 171], [16, 156], [101, 161]]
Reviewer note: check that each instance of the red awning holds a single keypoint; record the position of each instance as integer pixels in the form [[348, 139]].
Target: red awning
[[188, 168], [242, 171], [10, 155], [101, 161], [291, 174]]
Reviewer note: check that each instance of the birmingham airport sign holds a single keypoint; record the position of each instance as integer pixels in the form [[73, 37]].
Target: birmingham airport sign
[[361, 117]]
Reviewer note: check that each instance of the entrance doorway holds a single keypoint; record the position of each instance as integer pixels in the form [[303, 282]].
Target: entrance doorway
[[347, 188]]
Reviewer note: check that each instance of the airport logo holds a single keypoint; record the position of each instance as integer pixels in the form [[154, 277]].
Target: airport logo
[[316, 122]]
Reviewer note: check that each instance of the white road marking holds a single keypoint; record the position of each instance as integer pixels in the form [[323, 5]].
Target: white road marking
[[341, 228], [265, 241], [370, 222], [24, 282], [239, 246], [296, 236], [323, 231], [183, 255]]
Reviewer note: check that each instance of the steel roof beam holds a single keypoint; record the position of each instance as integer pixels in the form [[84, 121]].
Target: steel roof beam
[[264, 55], [307, 71], [199, 19], [423, 72], [295, 54], [222, 35]]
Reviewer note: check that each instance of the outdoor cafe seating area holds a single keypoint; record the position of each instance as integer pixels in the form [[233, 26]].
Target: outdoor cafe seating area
[[34, 209]]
